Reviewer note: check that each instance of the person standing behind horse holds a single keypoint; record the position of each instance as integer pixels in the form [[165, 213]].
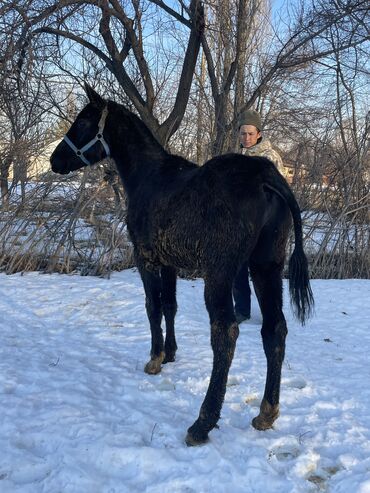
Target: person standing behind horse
[[252, 143]]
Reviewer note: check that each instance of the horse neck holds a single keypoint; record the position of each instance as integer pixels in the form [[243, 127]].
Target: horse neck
[[136, 152]]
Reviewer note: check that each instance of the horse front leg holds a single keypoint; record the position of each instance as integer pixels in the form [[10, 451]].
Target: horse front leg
[[224, 333], [169, 306], [242, 294], [152, 287]]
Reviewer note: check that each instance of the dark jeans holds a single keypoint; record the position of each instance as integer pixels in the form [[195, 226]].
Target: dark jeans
[[242, 292]]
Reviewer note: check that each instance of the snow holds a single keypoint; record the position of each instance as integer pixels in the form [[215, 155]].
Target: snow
[[78, 414]]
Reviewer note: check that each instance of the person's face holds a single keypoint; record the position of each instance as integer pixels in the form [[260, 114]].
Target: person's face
[[249, 135]]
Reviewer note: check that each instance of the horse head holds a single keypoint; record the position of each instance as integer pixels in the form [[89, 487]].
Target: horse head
[[84, 143]]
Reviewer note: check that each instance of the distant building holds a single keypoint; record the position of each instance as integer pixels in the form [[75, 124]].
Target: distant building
[[294, 172], [36, 166]]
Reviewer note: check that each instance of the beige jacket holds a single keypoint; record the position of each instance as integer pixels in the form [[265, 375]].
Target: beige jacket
[[264, 149]]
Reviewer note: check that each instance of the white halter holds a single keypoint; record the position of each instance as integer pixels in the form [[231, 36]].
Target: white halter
[[98, 138]]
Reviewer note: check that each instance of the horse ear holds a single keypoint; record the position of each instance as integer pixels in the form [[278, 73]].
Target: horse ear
[[94, 97]]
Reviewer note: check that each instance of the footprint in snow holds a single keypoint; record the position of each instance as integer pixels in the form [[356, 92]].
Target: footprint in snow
[[322, 475], [165, 384], [295, 382], [27, 473], [284, 452]]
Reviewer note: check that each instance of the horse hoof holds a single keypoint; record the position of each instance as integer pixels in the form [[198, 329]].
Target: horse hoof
[[266, 417], [196, 435], [169, 359], [261, 424], [192, 441], [153, 367]]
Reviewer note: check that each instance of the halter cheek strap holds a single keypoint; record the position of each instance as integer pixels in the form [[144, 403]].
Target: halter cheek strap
[[98, 138]]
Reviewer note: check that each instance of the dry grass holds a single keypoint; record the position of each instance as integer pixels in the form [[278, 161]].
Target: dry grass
[[65, 227], [78, 225]]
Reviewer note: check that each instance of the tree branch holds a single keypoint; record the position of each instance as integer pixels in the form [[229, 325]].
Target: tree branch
[[173, 13], [169, 127], [137, 47]]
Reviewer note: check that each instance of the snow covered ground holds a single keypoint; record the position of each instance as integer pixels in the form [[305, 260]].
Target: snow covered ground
[[78, 414]]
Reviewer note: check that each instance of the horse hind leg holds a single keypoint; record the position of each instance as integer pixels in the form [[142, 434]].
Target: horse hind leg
[[268, 286], [153, 305], [169, 306], [224, 333]]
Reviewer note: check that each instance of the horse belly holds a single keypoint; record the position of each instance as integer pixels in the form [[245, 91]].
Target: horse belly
[[180, 251]]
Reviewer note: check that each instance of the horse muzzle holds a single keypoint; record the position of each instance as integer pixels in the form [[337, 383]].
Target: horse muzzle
[[58, 165]]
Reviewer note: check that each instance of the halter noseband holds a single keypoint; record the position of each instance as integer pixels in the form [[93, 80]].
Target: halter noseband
[[98, 138]]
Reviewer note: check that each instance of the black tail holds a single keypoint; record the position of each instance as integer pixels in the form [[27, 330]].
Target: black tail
[[299, 286], [301, 296]]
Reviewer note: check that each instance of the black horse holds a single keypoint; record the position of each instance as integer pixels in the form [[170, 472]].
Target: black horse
[[214, 218]]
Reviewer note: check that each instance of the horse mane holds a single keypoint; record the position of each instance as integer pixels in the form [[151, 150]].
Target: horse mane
[[133, 124]]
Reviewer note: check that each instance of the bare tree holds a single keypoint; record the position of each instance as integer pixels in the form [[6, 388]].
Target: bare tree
[[251, 69], [114, 33], [20, 119]]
